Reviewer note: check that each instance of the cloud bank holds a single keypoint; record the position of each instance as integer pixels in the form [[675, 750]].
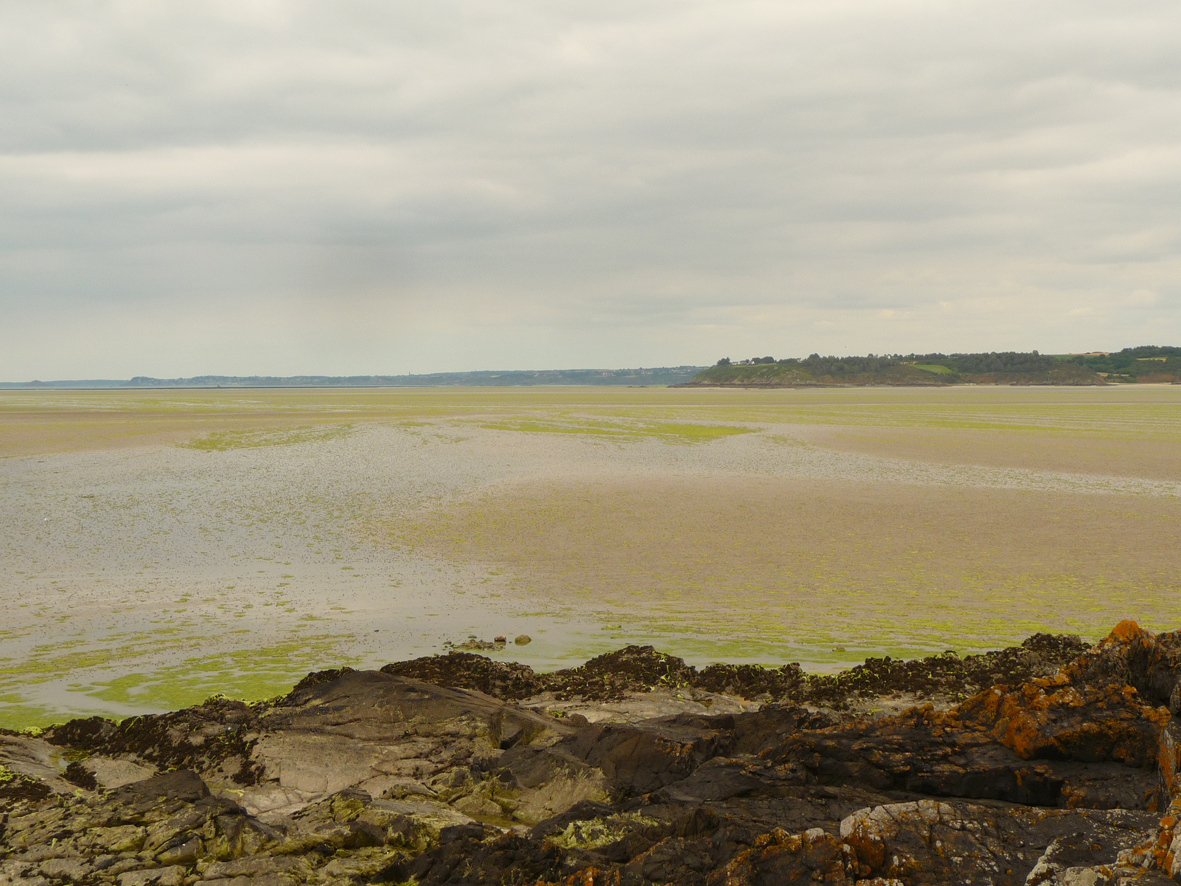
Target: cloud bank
[[383, 187]]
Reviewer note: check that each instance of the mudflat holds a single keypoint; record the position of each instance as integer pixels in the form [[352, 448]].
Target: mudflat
[[163, 545], [753, 569]]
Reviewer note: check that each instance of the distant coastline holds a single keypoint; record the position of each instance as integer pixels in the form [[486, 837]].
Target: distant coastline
[[1145, 364], [664, 375]]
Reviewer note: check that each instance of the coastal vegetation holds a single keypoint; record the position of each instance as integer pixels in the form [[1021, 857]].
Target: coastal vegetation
[[1141, 364]]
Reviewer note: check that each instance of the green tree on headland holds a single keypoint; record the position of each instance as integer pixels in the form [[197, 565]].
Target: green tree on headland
[[1132, 364], [996, 367]]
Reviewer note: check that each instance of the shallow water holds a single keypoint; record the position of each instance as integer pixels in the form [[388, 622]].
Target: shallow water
[[136, 578], [151, 574]]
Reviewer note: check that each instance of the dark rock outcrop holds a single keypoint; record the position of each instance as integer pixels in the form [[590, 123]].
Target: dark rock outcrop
[[643, 669], [464, 670], [1058, 766]]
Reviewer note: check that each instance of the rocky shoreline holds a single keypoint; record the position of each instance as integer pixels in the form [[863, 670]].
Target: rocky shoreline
[[1047, 763]]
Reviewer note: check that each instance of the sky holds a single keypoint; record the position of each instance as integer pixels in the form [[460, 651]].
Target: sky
[[385, 187]]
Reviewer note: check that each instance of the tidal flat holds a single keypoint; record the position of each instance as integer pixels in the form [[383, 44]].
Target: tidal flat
[[162, 546]]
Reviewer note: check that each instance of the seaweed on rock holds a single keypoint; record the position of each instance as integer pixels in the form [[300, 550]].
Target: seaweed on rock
[[1060, 765]]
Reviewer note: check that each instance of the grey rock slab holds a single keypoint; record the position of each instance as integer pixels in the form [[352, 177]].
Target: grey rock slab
[[371, 728], [66, 868], [22, 880], [114, 773], [37, 759], [436, 813], [173, 875], [271, 801], [163, 832], [122, 838], [252, 867], [372, 706], [638, 706], [181, 786]]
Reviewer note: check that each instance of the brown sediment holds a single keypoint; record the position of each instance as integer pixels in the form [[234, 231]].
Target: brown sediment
[[810, 562], [1107, 454], [42, 431]]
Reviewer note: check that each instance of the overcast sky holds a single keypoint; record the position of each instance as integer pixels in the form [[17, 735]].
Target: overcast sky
[[281, 188]]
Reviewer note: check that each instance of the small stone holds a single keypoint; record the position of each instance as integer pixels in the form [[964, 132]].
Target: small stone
[[499, 641], [523, 640], [475, 805], [184, 853]]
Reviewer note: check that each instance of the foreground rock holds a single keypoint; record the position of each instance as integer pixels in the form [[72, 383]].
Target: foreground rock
[[1048, 763]]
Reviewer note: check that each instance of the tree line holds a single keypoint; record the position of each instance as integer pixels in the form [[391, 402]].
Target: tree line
[[995, 362]]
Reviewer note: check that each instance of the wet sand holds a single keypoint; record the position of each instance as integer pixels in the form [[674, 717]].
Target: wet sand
[[1104, 453], [825, 572], [161, 546]]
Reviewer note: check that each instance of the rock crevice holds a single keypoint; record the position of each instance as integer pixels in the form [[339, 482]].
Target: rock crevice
[[1048, 763]]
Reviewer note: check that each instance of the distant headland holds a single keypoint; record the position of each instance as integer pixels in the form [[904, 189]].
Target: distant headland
[[1147, 364]]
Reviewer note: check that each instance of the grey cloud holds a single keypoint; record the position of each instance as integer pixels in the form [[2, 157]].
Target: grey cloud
[[718, 175]]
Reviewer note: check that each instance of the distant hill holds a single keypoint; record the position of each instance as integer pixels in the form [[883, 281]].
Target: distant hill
[[1131, 365], [665, 375], [1147, 363]]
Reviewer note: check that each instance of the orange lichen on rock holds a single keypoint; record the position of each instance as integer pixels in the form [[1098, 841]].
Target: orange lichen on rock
[[780, 857], [1055, 718], [589, 877], [1169, 759], [1128, 631]]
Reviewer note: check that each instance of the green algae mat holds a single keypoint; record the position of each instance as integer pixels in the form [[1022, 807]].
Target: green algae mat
[[163, 546]]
